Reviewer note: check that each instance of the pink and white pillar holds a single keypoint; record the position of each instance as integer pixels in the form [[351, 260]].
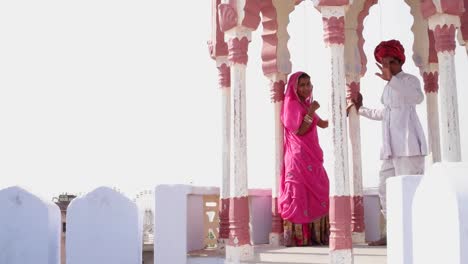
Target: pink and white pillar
[[277, 84], [276, 66], [333, 13], [238, 247], [225, 85], [356, 189], [444, 27], [355, 62], [219, 52], [431, 88]]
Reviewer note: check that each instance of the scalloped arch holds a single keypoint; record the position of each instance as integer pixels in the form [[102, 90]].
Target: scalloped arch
[[360, 28]]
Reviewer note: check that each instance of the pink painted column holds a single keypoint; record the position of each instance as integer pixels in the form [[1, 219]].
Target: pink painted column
[[219, 52], [238, 247], [225, 85], [444, 27], [276, 66], [340, 211], [431, 88], [277, 84], [356, 61], [356, 189]]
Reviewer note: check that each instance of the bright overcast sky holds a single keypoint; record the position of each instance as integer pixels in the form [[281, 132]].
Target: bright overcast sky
[[124, 93]]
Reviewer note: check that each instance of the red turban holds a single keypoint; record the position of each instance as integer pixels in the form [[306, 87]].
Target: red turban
[[391, 48]]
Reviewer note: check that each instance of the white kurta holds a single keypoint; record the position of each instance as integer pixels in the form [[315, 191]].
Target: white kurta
[[402, 133]]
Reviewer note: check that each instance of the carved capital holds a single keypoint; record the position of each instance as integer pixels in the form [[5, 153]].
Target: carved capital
[[431, 82], [238, 50], [444, 36], [227, 17], [334, 30], [277, 91]]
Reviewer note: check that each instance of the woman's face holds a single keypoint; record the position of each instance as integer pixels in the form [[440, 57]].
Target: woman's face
[[304, 88]]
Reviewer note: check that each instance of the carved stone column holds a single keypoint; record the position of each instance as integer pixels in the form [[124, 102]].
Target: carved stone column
[[444, 17], [444, 34], [225, 85], [238, 247], [355, 66], [431, 88], [218, 51], [356, 189], [277, 84], [340, 211]]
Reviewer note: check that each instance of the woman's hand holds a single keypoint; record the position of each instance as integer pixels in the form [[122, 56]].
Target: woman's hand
[[322, 123], [313, 107]]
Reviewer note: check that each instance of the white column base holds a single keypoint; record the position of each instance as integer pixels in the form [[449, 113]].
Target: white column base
[[343, 256], [234, 255], [276, 239], [358, 238]]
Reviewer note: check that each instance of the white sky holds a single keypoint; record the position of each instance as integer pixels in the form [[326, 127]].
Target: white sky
[[124, 93]]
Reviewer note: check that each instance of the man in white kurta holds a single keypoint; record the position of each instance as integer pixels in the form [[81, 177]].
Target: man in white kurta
[[403, 141]]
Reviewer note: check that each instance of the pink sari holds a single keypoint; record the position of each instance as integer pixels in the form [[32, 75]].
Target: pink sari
[[304, 187]]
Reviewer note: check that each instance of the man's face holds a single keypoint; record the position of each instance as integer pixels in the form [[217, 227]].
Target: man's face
[[393, 64]]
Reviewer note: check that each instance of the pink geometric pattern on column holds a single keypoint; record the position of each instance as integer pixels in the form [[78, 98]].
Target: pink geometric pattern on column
[[276, 221], [216, 46], [277, 92], [431, 82], [340, 223], [224, 219], [360, 28], [238, 50], [357, 214], [432, 51], [334, 30], [239, 221], [444, 38], [352, 91], [224, 74], [227, 17]]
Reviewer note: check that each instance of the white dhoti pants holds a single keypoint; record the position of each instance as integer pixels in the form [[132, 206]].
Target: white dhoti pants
[[413, 165]]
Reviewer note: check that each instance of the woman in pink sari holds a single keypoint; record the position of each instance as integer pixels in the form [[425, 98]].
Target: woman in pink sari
[[304, 190]]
